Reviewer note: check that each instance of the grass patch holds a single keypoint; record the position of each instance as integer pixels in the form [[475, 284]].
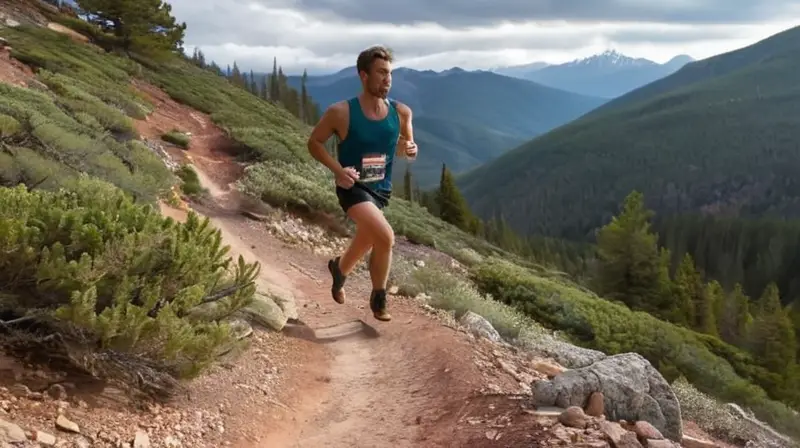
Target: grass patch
[[450, 292], [177, 138]]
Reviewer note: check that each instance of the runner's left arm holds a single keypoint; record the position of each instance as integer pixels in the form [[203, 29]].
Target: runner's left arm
[[406, 129]]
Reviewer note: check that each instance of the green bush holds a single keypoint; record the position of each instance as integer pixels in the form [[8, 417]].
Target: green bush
[[191, 183], [114, 281], [176, 138], [9, 127], [70, 140], [713, 367]]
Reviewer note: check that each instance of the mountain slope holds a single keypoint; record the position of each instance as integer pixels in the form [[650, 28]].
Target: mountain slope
[[463, 118], [606, 75], [725, 143]]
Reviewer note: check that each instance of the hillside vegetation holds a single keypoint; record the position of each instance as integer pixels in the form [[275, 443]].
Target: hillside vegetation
[[461, 118], [725, 143], [185, 265]]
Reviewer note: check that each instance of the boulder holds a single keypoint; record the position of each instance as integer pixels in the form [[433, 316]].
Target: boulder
[[632, 390], [264, 311], [564, 353], [479, 326]]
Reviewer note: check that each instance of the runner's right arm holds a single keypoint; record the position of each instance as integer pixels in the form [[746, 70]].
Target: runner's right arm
[[324, 129]]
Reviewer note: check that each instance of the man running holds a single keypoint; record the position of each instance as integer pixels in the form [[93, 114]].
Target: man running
[[371, 130]]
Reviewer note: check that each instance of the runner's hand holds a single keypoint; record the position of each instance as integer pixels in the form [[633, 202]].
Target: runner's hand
[[411, 149], [347, 177]]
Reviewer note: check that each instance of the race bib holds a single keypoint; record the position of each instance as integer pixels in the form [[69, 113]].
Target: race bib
[[373, 167]]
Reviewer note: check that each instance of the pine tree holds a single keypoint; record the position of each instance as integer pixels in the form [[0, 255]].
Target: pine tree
[[274, 89], [713, 297], [734, 320], [141, 25], [236, 76], [264, 88], [688, 287], [629, 264], [304, 98], [253, 84], [452, 205], [794, 314], [407, 185], [774, 341], [201, 59]]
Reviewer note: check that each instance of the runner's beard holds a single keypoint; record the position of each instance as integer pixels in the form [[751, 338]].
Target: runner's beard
[[380, 92]]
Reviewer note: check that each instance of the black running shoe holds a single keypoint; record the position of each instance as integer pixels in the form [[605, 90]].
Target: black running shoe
[[377, 303], [337, 288]]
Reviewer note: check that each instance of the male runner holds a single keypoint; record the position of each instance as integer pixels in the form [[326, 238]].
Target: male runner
[[371, 131]]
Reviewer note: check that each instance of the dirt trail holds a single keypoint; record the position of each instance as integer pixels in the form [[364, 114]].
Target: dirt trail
[[383, 379]]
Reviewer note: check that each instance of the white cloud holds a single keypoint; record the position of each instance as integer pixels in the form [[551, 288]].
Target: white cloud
[[252, 34]]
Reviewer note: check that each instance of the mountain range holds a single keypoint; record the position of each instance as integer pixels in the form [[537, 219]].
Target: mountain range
[[462, 118], [606, 75], [719, 136]]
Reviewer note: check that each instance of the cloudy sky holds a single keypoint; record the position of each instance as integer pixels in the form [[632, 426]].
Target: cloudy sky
[[326, 35]]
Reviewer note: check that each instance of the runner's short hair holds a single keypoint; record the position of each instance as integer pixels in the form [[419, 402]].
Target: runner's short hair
[[368, 56]]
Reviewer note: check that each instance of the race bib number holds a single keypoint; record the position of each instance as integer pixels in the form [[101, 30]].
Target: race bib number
[[373, 167]]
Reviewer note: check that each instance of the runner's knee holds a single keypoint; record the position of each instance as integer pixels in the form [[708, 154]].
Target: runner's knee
[[371, 221], [383, 237]]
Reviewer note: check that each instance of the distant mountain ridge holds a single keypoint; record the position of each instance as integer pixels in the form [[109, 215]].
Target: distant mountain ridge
[[607, 75], [718, 136], [462, 118]]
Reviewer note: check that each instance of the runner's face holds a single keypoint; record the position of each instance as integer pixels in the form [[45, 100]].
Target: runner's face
[[379, 80]]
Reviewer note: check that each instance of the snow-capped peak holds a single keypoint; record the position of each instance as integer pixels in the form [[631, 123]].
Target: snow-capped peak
[[611, 58]]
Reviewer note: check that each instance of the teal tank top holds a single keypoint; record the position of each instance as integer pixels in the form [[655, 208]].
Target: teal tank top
[[369, 146]]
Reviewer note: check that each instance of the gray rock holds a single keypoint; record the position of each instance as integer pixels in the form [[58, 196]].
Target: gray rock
[[240, 328], [479, 326], [11, 433], [264, 311], [632, 389], [285, 300], [571, 356]]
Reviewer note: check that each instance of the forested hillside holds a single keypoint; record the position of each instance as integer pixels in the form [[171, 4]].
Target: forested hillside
[[462, 118], [727, 144]]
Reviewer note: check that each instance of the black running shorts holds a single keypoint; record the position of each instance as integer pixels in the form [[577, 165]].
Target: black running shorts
[[359, 193]]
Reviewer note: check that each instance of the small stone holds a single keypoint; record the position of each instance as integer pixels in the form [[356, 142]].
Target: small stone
[[45, 439], [141, 440], [20, 390], [65, 424], [645, 431], [57, 392], [573, 417], [691, 442], [660, 443], [595, 407], [9, 432]]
